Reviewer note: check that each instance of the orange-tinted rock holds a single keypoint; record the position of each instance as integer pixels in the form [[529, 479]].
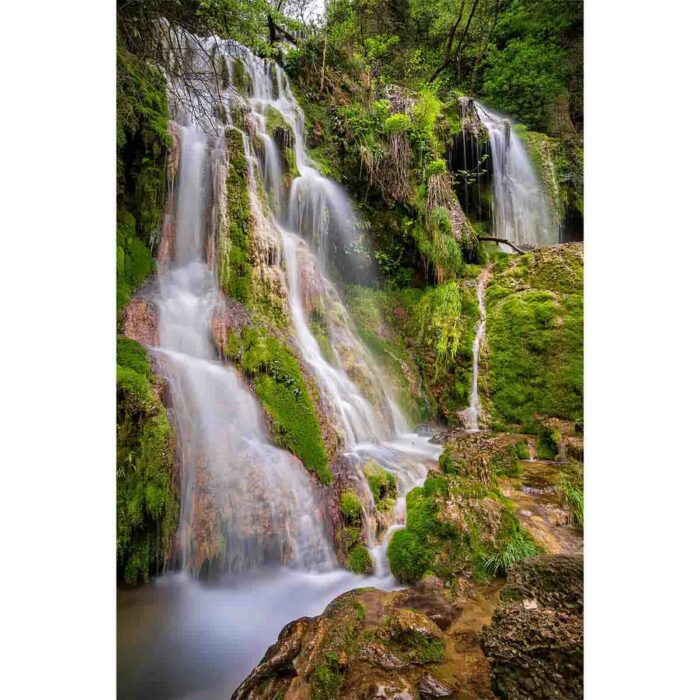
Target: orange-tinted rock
[[141, 321]]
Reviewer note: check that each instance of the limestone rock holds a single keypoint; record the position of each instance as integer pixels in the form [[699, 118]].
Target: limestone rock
[[535, 640]]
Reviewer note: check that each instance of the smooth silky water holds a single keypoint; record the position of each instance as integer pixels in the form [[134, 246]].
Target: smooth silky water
[[520, 212], [184, 637]]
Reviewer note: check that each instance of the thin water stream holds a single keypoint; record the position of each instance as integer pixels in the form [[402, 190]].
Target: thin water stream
[[472, 412]]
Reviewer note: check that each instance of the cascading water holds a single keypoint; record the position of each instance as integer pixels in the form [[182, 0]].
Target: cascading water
[[242, 498], [520, 211], [249, 508], [316, 215], [472, 412]]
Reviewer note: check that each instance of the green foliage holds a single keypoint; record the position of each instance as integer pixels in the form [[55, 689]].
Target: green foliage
[[382, 484], [436, 167], [570, 487], [282, 390], [536, 60], [513, 543], [350, 507], [134, 260], [359, 561], [147, 497], [397, 124], [142, 143], [328, 679], [439, 313], [534, 328], [234, 266]]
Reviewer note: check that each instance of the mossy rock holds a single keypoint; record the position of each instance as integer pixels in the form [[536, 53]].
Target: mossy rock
[[234, 255], [239, 77], [360, 561], [382, 484], [280, 386], [350, 507], [534, 330], [456, 525], [147, 489]]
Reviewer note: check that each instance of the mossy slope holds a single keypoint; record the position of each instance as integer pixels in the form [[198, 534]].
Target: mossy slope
[[147, 488], [282, 391]]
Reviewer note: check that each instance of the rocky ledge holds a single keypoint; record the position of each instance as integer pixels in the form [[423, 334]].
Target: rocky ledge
[[535, 641]]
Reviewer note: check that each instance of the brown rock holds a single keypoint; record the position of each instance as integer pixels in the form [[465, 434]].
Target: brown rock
[[431, 687], [535, 640], [141, 321]]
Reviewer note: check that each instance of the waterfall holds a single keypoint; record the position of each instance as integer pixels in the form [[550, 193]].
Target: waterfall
[[472, 412], [244, 502], [520, 210], [312, 215]]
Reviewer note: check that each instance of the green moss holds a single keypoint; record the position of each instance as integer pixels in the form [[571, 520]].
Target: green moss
[[234, 265], [522, 449], [448, 532], [408, 557], [328, 679], [147, 495], [382, 484], [240, 78], [534, 329], [282, 390], [142, 144], [359, 561], [350, 507], [373, 312]]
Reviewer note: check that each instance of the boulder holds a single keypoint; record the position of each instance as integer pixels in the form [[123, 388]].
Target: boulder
[[535, 640]]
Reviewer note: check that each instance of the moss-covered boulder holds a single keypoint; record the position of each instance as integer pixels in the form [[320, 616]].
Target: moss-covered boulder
[[457, 527], [535, 640], [533, 356], [147, 479], [481, 456], [366, 644]]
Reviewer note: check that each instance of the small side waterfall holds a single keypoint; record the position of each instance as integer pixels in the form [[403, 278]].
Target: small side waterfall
[[472, 412], [520, 211]]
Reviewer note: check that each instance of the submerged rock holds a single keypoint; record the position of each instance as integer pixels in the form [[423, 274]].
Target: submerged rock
[[535, 640]]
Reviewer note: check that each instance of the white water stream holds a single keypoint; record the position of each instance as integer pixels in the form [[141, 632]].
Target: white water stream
[[472, 412], [249, 508], [520, 211]]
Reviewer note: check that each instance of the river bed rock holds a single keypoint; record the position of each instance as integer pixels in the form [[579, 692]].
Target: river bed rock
[[413, 644], [535, 640]]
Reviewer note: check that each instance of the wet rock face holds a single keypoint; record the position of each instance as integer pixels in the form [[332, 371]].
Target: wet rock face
[[366, 644], [141, 321], [535, 640], [480, 456]]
